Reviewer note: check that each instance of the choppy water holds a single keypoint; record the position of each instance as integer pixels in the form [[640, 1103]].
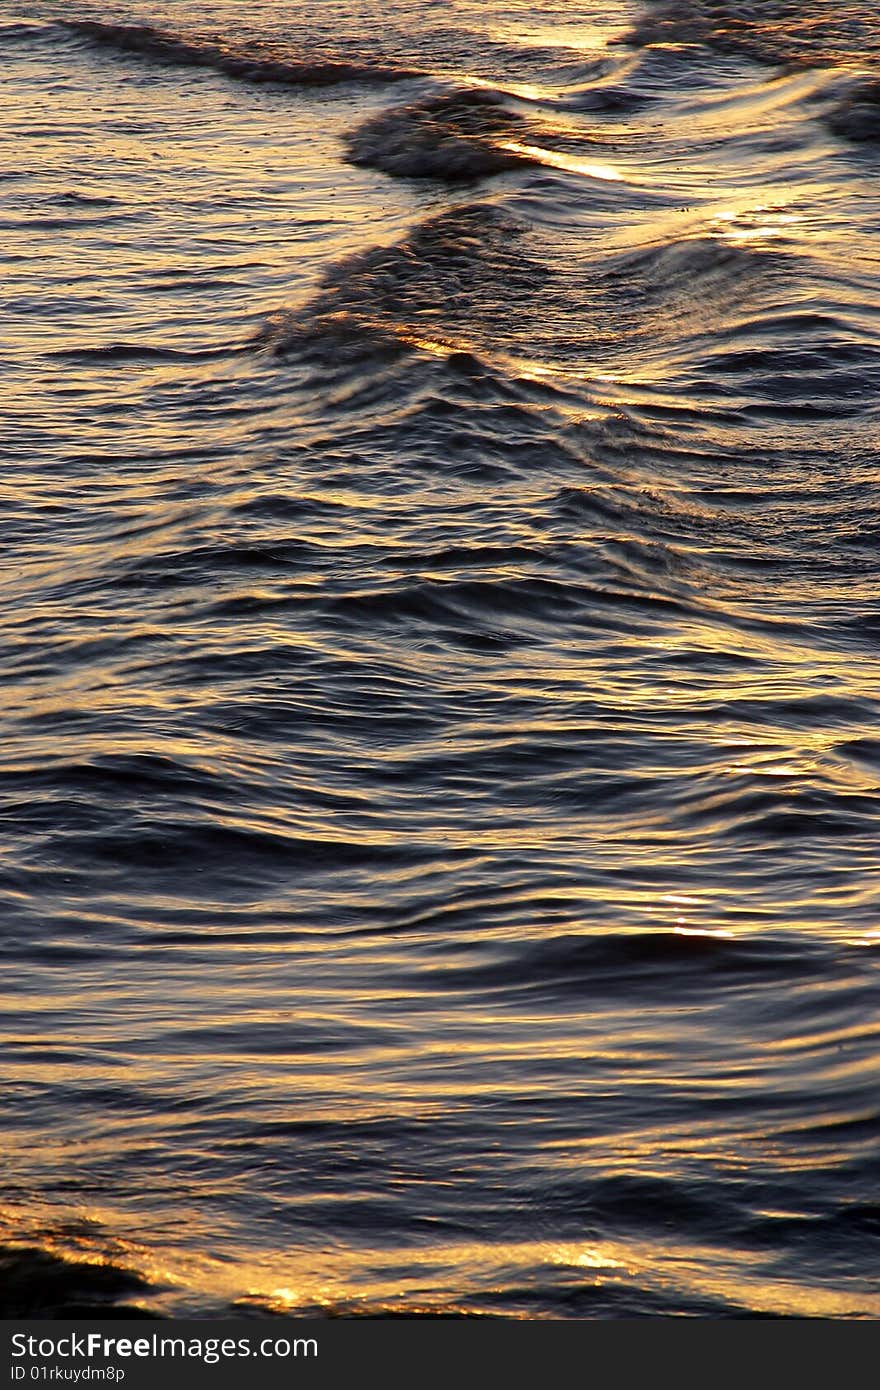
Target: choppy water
[[440, 607]]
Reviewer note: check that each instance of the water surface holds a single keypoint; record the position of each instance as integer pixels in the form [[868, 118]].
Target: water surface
[[439, 696]]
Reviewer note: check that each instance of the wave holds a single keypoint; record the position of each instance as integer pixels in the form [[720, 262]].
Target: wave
[[613, 97], [469, 615], [21, 31], [632, 963], [692, 268], [856, 113], [466, 283], [458, 272], [73, 197], [253, 65], [457, 137], [776, 31], [136, 353], [38, 1283]]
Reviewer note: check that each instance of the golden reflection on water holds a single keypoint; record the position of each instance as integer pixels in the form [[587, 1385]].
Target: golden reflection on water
[[556, 159], [420, 1280], [759, 224]]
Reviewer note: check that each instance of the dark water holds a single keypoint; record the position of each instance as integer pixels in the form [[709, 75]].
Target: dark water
[[440, 604]]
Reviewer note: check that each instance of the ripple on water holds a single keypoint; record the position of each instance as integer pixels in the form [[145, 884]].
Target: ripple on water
[[440, 687]]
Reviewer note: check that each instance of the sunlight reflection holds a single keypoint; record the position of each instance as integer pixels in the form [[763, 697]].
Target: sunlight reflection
[[753, 226]]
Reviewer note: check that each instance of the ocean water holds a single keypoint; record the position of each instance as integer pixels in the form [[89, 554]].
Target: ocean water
[[441, 658]]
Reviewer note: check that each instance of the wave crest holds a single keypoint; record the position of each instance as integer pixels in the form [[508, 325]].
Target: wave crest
[[449, 284], [257, 64], [39, 1283], [776, 31], [856, 115], [456, 137]]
